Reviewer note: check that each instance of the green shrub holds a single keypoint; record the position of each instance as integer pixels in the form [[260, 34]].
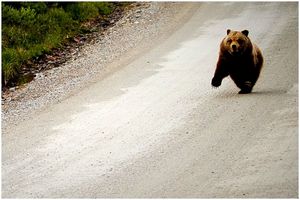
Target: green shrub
[[23, 17], [82, 11], [38, 7], [10, 63], [87, 10], [104, 8]]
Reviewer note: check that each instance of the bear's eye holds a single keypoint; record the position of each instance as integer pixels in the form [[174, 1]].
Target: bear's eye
[[240, 41], [229, 41]]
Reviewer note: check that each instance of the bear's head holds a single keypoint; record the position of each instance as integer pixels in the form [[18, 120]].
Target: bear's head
[[236, 42]]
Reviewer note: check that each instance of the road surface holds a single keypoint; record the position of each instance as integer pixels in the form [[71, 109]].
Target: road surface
[[156, 128]]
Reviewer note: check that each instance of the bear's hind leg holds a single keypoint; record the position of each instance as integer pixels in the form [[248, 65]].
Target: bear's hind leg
[[246, 87]]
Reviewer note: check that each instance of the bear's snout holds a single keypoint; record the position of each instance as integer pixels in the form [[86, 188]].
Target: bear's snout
[[234, 48]]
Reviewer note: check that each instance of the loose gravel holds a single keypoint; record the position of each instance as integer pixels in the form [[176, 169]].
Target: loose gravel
[[140, 26]]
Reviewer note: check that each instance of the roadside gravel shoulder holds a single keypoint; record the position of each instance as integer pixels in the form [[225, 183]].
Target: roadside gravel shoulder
[[141, 27]]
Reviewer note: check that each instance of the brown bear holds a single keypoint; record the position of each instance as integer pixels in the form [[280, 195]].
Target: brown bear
[[240, 59]]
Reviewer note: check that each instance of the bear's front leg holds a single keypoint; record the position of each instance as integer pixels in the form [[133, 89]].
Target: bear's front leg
[[216, 82], [220, 73]]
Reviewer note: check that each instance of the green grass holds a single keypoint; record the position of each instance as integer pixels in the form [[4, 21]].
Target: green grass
[[31, 29]]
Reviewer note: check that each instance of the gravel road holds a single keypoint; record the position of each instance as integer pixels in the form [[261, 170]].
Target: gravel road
[[147, 123]]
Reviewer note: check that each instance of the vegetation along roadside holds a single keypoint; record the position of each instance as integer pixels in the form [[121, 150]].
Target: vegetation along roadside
[[32, 32]]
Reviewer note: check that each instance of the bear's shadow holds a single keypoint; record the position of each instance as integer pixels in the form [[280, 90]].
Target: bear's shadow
[[235, 94], [268, 92]]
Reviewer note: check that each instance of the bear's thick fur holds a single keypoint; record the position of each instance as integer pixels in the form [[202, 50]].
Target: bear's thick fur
[[240, 59]]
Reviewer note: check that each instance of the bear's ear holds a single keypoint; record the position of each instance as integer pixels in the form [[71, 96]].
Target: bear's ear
[[228, 31], [245, 32]]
